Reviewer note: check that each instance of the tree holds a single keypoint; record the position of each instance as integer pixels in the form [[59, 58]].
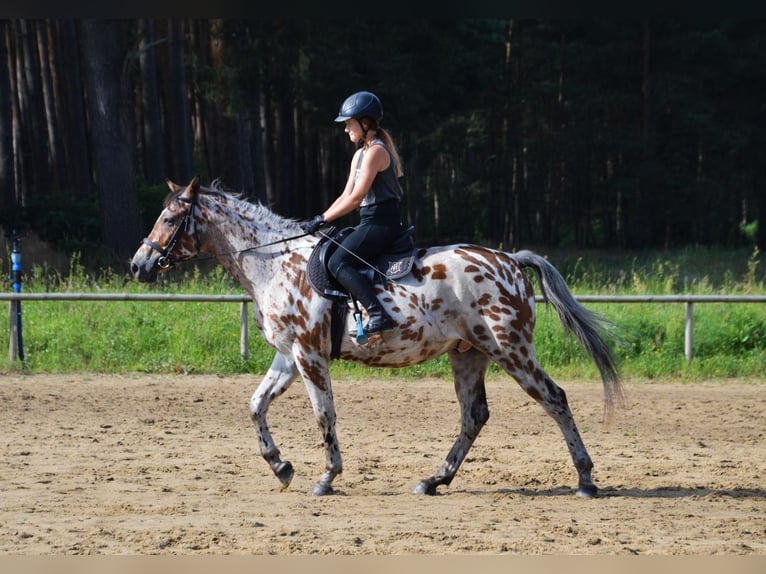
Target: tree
[[177, 109], [71, 110], [104, 46], [7, 179], [598, 133], [152, 143]]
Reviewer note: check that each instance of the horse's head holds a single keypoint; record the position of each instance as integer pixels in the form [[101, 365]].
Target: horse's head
[[173, 237]]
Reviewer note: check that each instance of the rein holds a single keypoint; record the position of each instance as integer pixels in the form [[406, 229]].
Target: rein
[[165, 262], [364, 262]]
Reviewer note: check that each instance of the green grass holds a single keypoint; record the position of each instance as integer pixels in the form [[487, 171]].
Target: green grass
[[191, 337]]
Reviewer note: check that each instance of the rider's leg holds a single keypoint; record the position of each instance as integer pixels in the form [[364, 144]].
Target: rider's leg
[[359, 288], [359, 248]]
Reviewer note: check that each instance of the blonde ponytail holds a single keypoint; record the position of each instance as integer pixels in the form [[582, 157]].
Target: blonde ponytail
[[373, 124], [386, 137]]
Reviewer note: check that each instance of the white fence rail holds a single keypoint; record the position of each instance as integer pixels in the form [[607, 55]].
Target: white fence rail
[[688, 300]]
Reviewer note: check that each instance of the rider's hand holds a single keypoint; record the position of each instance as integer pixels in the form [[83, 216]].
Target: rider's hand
[[312, 225]]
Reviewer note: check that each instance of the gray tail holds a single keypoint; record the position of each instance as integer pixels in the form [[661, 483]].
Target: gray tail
[[583, 323]]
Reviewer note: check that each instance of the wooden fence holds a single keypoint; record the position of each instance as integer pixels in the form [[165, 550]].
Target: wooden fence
[[688, 300]]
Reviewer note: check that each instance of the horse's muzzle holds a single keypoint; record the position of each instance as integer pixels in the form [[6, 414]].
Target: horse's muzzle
[[144, 268]]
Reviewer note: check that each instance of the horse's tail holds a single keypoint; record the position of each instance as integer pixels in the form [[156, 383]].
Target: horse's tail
[[586, 325]]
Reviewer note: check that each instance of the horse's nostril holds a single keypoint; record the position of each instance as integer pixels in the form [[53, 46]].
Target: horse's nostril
[[134, 268]]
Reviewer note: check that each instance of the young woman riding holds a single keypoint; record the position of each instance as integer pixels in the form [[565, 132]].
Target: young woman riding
[[373, 188]]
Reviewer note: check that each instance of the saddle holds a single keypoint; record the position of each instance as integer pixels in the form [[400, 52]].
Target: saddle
[[394, 263]]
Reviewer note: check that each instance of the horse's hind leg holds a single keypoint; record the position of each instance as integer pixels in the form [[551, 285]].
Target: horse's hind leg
[[278, 378], [553, 399], [320, 393], [469, 369]]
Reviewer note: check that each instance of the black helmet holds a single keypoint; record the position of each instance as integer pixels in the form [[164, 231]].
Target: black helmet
[[360, 105]]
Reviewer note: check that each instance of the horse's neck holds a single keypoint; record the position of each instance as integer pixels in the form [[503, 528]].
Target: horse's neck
[[247, 241], [233, 227]]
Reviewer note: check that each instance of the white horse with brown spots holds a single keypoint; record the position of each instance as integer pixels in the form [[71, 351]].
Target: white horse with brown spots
[[471, 302]]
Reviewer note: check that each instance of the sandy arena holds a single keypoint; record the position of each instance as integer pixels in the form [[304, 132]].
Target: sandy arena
[[155, 464]]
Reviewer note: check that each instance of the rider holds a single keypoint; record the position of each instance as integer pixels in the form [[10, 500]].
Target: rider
[[373, 187]]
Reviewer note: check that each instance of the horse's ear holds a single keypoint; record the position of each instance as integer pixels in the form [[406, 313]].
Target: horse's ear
[[174, 187], [191, 189]]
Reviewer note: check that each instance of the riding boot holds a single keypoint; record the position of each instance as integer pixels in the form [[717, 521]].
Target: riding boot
[[361, 290]]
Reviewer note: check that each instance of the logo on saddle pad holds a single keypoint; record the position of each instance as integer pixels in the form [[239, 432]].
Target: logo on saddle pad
[[395, 263]]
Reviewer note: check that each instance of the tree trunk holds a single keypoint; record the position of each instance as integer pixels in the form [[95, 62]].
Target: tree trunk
[[761, 213], [640, 233], [153, 149], [110, 123], [259, 167], [35, 156], [285, 148], [177, 107], [509, 142], [47, 56], [267, 133], [7, 179], [72, 111], [203, 45], [244, 154]]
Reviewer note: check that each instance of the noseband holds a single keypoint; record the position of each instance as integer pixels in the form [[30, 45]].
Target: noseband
[[164, 262]]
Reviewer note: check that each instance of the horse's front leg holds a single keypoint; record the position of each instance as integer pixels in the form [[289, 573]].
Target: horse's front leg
[[316, 375], [278, 378]]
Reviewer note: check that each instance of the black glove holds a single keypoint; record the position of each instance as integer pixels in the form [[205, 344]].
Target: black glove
[[312, 225]]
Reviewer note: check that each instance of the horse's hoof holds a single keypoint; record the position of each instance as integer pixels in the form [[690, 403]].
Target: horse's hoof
[[285, 474], [425, 488], [322, 489], [588, 491]]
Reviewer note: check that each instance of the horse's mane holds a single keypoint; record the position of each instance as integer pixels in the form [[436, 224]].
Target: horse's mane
[[257, 210], [216, 188]]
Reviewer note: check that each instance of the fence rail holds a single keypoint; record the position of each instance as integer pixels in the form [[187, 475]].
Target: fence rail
[[688, 300]]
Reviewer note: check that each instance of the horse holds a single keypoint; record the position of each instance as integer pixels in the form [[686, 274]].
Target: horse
[[474, 303]]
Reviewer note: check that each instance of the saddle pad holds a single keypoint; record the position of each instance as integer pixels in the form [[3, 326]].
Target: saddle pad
[[316, 272]]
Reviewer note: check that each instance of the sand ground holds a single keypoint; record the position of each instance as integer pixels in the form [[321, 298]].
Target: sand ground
[[150, 464]]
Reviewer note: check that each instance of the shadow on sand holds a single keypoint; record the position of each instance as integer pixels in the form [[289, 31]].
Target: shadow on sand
[[612, 492]]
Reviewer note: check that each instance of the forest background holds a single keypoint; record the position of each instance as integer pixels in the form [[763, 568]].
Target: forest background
[[607, 134]]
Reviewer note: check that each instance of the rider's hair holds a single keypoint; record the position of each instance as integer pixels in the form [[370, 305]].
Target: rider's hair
[[373, 124]]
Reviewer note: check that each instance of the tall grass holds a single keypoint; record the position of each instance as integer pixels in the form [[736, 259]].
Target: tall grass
[[191, 337]]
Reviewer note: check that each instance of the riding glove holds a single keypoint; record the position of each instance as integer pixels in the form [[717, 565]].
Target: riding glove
[[312, 225]]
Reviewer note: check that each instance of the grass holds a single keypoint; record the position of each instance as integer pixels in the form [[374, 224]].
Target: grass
[[190, 337]]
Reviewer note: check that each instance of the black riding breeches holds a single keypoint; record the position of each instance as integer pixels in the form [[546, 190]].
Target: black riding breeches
[[368, 240]]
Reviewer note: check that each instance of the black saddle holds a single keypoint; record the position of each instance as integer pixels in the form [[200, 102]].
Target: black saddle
[[395, 263]]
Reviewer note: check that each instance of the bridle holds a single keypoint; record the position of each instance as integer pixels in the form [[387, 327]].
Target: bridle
[[164, 261]]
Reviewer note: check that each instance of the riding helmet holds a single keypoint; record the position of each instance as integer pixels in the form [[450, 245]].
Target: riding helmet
[[360, 105]]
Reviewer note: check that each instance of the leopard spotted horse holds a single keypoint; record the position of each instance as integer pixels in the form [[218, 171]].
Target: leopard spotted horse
[[473, 303]]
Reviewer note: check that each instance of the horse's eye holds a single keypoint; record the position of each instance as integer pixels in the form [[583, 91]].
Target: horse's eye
[[170, 221]]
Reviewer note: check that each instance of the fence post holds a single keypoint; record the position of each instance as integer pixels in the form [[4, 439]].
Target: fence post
[[688, 333], [244, 346], [15, 342], [12, 330]]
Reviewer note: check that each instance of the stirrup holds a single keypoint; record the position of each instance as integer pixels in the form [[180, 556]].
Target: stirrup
[[361, 336]]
